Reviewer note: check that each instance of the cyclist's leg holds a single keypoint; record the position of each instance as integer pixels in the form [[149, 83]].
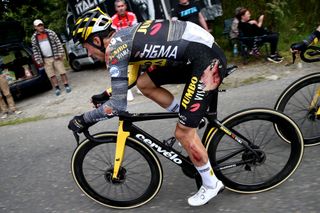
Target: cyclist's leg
[[150, 82], [158, 94], [208, 66], [273, 39]]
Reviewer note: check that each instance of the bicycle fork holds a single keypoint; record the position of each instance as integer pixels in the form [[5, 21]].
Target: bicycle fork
[[120, 147], [314, 102]]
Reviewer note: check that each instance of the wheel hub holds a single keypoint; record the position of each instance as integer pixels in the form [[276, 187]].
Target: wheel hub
[[121, 176], [252, 158], [312, 114]]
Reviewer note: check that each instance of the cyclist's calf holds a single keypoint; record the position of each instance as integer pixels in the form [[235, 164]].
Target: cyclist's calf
[[191, 142]]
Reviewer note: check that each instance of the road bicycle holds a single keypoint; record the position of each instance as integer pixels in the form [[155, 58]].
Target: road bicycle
[[122, 169], [301, 100]]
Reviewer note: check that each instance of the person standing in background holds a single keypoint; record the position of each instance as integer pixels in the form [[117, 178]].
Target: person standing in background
[[188, 11], [48, 51], [5, 92], [121, 20]]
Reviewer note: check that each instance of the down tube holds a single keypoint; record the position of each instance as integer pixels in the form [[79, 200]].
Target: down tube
[[167, 152]]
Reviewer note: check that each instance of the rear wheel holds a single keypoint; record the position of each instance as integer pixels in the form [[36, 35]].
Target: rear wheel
[[274, 160], [140, 175]]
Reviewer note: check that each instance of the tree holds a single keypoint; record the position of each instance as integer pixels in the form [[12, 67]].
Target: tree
[[52, 13]]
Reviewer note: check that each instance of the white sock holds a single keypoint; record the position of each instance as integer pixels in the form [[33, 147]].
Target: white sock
[[174, 106], [207, 175]]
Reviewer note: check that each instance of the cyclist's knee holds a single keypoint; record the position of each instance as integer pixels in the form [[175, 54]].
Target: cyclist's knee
[[184, 134], [145, 84]]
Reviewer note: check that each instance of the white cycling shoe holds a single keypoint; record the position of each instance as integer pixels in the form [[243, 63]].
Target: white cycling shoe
[[205, 194]]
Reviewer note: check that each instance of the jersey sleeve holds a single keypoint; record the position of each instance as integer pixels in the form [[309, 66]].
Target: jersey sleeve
[[118, 71]]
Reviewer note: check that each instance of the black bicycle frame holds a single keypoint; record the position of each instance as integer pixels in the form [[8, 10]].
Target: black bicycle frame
[[159, 147], [127, 128]]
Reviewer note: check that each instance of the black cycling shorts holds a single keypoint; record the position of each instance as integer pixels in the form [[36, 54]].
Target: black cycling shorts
[[195, 98]]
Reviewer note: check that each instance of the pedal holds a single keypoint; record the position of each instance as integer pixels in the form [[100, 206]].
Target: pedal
[[169, 142]]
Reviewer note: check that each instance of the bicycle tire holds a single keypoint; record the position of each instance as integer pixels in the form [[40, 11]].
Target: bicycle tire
[[278, 161], [141, 173], [295, 101], [311, 54]]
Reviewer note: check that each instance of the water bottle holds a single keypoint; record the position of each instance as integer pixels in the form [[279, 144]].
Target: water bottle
[[235, 50]]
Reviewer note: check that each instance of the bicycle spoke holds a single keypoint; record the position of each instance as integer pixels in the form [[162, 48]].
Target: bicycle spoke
[[138, 177]]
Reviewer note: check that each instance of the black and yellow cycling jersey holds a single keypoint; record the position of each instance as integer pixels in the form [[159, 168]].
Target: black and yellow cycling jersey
[[178, 52]]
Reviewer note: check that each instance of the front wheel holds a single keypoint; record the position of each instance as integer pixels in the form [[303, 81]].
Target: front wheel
[[273, 160], [140, 175], [301, 102]]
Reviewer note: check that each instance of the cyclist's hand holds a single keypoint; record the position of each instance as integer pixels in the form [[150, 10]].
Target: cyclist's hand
[[99, 99], [297, 47], [78, 125]]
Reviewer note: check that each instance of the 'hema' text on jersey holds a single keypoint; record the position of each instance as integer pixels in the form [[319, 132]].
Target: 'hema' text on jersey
[[159, 51]]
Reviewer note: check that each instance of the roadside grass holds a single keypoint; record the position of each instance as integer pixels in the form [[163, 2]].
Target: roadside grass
[[15, 121], [22, 120], [252, 80], [234, 83]]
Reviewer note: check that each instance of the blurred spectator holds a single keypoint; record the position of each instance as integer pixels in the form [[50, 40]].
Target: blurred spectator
[[188, 11], [123, 18], [251, 28], [48, 51], [234, 32], [9, 104]]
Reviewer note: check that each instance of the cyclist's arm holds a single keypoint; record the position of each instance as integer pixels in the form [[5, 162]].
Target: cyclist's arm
[[118, 71], [101, 98], [133, 72]]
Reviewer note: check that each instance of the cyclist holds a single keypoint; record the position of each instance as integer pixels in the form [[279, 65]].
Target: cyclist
[[313, 38], [175, 52]]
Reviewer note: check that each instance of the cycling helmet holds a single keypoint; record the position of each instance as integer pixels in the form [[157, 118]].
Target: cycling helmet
[[93, 22]]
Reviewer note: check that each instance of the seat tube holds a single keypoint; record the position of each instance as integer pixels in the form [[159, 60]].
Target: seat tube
[[214, 102], [120, 149]]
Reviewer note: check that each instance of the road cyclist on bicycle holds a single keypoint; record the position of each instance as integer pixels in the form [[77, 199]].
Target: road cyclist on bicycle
[[173, 52], [313, 38]]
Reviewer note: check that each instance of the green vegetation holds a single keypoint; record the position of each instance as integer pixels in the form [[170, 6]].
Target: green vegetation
[[21, 120], [51, 12]]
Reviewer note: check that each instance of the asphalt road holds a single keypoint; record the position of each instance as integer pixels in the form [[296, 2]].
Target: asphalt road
[[35, 167]]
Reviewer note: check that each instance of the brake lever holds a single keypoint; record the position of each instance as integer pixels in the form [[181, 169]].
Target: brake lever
[[76, 136]]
